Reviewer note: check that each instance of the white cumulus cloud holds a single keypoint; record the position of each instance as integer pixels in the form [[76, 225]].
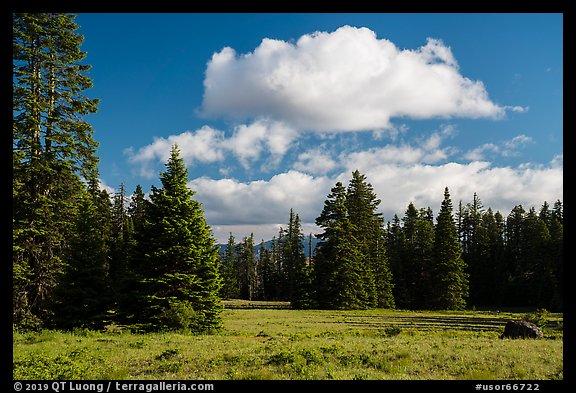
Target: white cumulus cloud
[[346, 80], [203, 145], [315, 161], [247, 143], [507, 148], [228, 201]]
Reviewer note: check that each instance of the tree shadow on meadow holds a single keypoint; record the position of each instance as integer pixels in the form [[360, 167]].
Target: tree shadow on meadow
[[430, 322]]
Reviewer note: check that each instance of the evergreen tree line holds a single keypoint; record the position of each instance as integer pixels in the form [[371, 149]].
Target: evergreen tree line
[[150, 264], [81, 257], [515, 261], [472, 257], [53, 150], [278, 272]]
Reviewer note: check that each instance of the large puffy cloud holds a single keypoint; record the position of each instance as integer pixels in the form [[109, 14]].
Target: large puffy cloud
[[347, 80]]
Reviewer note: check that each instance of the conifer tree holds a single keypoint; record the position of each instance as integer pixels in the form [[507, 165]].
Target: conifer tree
[[538, 277], [338, 271], [409, 260], [450, 280], [310, 250], [273, 272], [84, 298], [325, 268], [495, 274], [229, 271], [262, 259], [515, 256], [383, 274], [423, 254], [556, 251], [395, 245], [137, 208], [475, 252], [552, 218], [179, 281], [349, 275], [129, 299], [362, 205], [296, 270], [53, 148], [411, 250], [247, 279], [121, 244]]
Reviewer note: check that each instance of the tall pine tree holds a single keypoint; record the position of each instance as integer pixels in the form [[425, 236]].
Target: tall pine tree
[[556, 250], [267, 272], [121, 245], [84, 297], [423, 253], [325, 268], [362, 205], [476, 252], [247, 279], [450, 280], [179, 281], [229, 271], [339, 269], [411, 250], [538, 276], [515, 257], [127, 284], [395, 245], [409, 269], [495, 267], [53, 148], [296, 271]]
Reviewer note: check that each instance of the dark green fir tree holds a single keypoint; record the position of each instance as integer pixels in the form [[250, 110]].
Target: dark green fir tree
[[53, 149], [229, 271], [362, 209], [338, 268], [247, 278], [178, 268], [449, 277], [84, 297], [296, 271]]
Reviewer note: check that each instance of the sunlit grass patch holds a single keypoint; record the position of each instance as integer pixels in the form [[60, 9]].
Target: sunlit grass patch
[[276, 343]]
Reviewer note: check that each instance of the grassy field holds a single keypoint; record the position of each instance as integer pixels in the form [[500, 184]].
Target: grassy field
[[272, 342]]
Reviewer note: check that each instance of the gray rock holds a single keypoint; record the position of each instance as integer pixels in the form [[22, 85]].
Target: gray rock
[[521, 329]]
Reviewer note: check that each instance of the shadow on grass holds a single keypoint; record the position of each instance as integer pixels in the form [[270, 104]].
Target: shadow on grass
[[429, 322], [439, 322]]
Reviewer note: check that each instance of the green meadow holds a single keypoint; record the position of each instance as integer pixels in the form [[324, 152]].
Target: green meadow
[[267, 340]]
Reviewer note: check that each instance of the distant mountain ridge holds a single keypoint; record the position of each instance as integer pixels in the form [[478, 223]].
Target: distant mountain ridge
[[268, 245]]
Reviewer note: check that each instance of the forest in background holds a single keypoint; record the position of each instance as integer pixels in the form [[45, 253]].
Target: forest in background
[[512, 261]]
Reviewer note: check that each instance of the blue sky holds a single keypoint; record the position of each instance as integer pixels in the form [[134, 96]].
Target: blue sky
[[270, 110]]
